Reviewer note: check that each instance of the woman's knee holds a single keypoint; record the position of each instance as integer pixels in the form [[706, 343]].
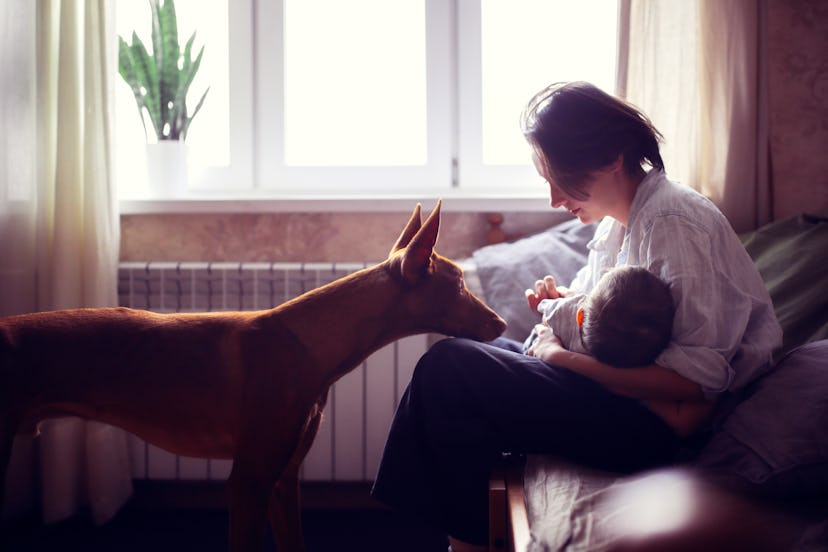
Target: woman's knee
[[459, 373], [444, 362]]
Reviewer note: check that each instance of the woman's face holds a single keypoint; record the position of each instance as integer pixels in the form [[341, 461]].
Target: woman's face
[[601, 188]]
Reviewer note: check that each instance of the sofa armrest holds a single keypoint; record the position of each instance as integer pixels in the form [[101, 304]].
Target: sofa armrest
[[508, 520]]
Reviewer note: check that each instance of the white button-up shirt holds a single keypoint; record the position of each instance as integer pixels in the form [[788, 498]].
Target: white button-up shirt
[[725, 330]]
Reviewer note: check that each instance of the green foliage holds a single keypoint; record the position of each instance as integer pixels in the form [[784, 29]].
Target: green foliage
[[160, 81]]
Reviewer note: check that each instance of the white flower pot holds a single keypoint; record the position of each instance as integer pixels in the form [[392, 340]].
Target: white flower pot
[[167, 168]]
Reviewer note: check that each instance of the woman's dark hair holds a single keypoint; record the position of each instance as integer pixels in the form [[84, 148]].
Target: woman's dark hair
[[628, 317], [577, 128]]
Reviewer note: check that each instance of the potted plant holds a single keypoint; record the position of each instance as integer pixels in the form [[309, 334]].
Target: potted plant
[[160, 82]]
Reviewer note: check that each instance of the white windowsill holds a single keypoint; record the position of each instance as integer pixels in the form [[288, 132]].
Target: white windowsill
[[332, 203]]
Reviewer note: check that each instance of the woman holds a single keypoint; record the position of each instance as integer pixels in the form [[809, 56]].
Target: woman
[[467, 402]]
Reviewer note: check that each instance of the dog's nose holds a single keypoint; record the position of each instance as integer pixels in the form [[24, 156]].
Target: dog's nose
[[495, 328]]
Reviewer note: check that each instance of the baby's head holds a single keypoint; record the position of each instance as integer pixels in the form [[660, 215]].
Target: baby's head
[[627, 319]]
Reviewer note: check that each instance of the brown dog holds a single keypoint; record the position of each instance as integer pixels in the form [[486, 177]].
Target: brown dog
[[249, 386]]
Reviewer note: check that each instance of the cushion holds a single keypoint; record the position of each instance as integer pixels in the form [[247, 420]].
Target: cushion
[[775, 442], [506, 270], [790, 256]]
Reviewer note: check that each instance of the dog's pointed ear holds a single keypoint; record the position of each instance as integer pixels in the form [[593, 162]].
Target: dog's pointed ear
[[409, 231], [417, 258]]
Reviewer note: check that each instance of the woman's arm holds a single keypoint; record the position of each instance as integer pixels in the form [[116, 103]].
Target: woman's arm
[[684, 417], [651, 382], [672, 397]]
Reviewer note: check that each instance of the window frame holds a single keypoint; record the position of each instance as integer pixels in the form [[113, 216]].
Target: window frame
[[241, 108], [258, 180], [473, 174], [272, 174]]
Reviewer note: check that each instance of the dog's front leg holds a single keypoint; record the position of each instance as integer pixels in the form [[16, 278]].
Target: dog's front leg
[[248, 495], [285, 503], [285, 512], [260, 461]]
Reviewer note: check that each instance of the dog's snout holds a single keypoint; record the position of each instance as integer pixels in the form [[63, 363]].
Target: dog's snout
[[498, 326]]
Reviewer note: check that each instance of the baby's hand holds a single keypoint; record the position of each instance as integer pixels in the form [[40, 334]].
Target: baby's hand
[[546, 345], [544, 289]]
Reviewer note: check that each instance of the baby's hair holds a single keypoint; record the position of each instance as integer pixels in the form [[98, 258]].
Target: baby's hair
[[628, 317]]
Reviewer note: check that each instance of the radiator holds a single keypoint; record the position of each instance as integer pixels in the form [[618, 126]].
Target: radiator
[[360, 405]]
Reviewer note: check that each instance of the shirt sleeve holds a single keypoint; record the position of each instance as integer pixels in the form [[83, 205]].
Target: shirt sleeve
[[712, 310], [560, 315]]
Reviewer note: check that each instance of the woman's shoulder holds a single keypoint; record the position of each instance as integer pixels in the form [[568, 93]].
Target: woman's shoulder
[[668, 202]]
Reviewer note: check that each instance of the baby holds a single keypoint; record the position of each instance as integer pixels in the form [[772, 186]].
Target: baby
[[625, 321]]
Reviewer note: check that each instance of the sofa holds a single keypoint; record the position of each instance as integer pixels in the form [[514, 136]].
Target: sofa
[[756, 480]]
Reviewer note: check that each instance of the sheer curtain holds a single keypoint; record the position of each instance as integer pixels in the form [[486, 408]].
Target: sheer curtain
[[698, 69], [59, 221]]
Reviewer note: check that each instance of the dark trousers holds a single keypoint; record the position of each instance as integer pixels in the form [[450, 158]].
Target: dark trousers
[[468, 402]]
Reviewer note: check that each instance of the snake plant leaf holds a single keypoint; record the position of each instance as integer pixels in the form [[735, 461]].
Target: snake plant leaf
[[190, 118], [165, 40], [146, 70], [185, 79], [127, 69], [186, 57], [137, 70], [188, 71]]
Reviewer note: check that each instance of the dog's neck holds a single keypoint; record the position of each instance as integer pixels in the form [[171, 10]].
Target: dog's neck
[[368, 300]]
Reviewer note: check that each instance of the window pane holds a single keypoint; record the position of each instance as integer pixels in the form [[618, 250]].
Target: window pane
[[208, 135], [529, 44], [355, 83]]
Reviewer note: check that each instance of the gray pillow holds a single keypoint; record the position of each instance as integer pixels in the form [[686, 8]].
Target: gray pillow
[[775, 442], [507, 269]]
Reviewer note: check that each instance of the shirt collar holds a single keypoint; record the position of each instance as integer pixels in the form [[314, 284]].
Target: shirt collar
[[646, 189]]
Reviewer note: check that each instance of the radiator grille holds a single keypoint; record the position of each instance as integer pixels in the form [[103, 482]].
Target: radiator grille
[[360, 405]]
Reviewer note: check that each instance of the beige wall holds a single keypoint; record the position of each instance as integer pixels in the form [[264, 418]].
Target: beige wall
[[798, 93], [275, 237]]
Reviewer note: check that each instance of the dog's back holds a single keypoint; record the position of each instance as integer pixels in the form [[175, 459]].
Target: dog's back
[[164, 377]]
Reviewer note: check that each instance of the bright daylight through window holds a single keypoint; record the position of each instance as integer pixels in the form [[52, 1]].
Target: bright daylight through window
[[324, 98]]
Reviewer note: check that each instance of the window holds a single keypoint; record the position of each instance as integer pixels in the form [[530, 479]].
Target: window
[[509, 50], [368, 97], [365, 90], [220, 138]]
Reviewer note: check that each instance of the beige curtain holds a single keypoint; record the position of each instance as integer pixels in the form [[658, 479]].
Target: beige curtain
[[59, 221], [698, 69]]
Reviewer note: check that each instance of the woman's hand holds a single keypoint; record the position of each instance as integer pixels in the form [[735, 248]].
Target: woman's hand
[[546, 345], [545, 289]]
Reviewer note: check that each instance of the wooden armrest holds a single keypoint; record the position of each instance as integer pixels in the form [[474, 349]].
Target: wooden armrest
[[518, 518], [508, 521], [497, 509]]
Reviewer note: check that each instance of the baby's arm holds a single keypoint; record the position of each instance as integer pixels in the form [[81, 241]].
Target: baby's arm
[[685, 417]]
